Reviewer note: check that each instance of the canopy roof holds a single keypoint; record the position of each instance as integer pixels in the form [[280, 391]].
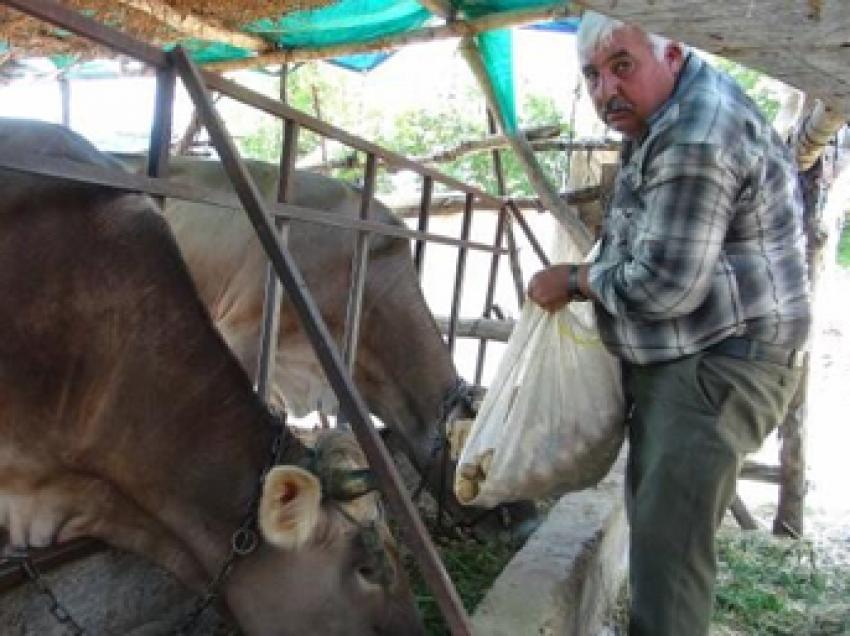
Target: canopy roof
[[805, 43]]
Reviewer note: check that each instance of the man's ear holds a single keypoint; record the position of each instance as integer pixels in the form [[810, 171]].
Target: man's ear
[[674, 56]]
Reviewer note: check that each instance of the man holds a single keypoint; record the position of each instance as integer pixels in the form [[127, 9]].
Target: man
[[700, 288]]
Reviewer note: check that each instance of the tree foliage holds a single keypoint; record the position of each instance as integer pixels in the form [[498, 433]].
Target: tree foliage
[[415, 132], [753, 84], [423, 132]]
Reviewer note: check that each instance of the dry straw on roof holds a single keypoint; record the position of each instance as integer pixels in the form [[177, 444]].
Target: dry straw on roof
[[32, 37]]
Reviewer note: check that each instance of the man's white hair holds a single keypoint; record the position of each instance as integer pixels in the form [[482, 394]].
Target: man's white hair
[[596, 30]]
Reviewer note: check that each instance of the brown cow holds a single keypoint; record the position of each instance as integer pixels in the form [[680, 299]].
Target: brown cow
[[124, 416], [403, 368]]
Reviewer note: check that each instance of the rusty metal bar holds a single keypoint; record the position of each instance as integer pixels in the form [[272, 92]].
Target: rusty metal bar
[[351, 402], [359, 266], [160, 141], [491, 290], [274, 107], [288, 155], [274, 289], [541, 254], [65, 97], [422, 225], [55, 13], [513, 261], [459, 272], [499, 173], [74, 171]]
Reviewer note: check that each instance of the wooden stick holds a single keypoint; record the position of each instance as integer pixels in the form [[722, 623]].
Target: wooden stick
[[742, 515], [455, 29], [815, 131], [453, 203], [195, 27], [489, 328], [489, 143], [755, 471], [538, 138]]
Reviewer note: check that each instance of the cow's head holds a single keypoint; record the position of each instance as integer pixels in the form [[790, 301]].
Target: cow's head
[[325, 566]]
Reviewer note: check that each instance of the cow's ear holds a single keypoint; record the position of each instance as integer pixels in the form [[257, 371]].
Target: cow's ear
[[289, 507]]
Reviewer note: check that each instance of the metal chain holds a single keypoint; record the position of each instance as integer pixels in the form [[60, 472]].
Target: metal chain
[[243, 541], [56, 608]]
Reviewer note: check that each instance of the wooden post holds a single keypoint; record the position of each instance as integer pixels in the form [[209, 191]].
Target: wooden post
[[792, 431]]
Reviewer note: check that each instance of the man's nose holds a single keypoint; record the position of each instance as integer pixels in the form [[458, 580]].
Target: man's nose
[[606, 86]]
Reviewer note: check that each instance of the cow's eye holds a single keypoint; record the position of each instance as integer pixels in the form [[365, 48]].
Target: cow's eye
[[370, 574]]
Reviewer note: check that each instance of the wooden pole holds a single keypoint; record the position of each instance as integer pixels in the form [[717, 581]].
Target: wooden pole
[[789, 519], [454, 203], [453, 29], [196, 27], [815, 131], [566, 216]]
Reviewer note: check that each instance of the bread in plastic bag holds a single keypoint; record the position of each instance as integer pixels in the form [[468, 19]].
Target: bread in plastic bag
[[552, 419]]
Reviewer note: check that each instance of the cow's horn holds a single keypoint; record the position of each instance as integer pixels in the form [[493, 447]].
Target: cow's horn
[[346, 485]]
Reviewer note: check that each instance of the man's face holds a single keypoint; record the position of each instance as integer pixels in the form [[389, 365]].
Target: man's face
[[627, 82]]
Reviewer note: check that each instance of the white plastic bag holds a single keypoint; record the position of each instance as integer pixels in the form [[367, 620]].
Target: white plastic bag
[[552, 419]]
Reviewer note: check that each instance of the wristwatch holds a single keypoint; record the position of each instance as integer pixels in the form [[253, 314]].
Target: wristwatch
[[573, 287]]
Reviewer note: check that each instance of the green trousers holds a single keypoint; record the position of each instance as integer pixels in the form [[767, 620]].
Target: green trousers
[[693, 421]]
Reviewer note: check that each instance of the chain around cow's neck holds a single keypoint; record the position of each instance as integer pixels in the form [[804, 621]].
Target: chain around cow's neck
[[244, 539]]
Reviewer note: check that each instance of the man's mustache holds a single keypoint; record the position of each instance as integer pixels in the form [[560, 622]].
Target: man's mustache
[[617, 105]]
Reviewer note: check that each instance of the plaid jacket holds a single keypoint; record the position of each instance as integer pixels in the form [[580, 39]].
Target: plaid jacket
[[703, 238]]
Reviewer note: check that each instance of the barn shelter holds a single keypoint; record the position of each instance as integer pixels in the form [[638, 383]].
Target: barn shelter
[[182, 63]]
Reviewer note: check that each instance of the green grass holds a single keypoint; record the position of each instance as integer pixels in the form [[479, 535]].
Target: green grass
[[843, 256], [472, 566], [770, 586]]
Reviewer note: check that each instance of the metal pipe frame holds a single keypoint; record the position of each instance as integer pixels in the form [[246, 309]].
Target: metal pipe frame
[[274, 289], [351, 402], [119, 180], [491, 291], [460, 269], [422, 224], [359, 266], [526, 229], [262, 217]]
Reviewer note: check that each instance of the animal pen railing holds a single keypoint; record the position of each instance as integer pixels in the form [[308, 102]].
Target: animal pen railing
[[271, 223]]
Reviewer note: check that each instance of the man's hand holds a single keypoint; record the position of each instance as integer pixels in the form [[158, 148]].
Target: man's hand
[[548, 287]]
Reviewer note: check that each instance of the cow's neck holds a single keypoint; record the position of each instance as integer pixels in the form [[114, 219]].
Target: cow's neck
[[192, 455]]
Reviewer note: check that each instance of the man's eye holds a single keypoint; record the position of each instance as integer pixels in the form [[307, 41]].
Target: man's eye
[[592, 78], [622, 67]]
